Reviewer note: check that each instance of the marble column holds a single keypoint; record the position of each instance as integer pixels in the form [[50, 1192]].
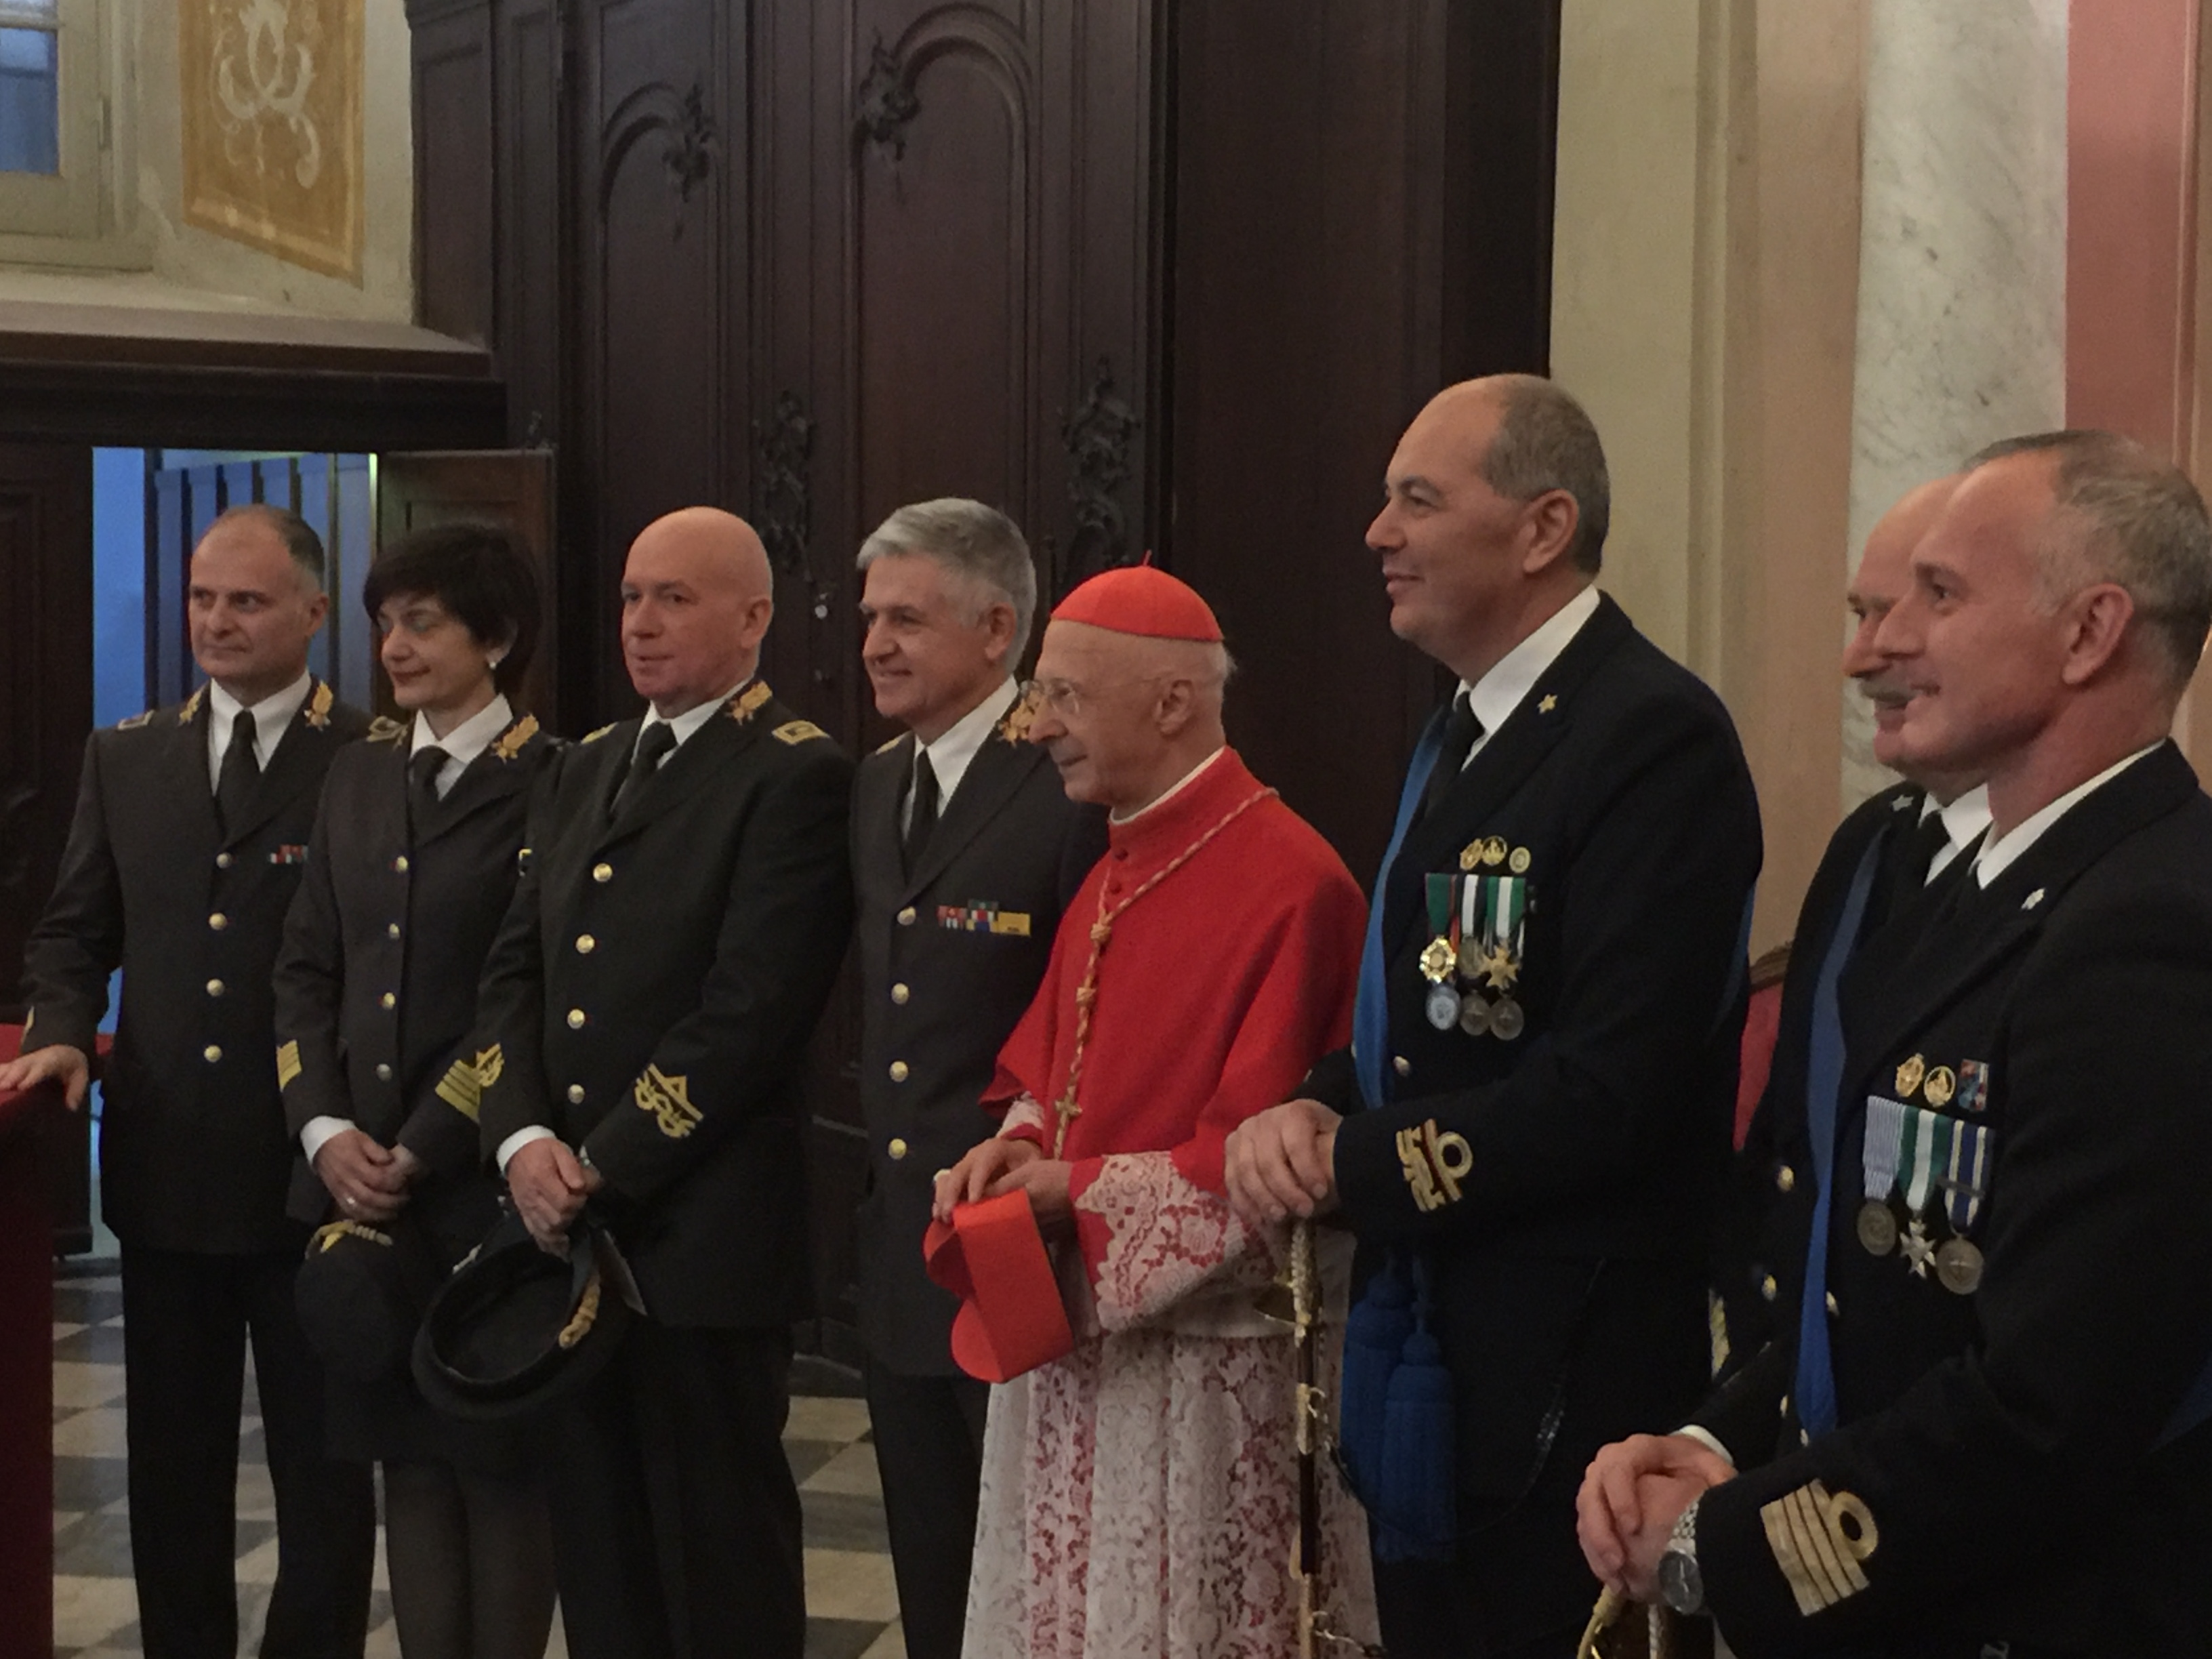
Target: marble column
[[1962, 256]]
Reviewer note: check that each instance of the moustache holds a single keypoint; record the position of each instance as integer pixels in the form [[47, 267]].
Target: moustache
[[1885, 690]]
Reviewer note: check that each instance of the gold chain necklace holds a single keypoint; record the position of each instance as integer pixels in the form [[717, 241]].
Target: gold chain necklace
[[1086, 994]]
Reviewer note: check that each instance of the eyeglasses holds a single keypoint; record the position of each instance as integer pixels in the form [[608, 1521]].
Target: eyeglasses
[[1061, 697]]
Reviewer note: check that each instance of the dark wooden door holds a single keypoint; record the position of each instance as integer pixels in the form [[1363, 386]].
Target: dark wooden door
[[45, 679], [46, 709], [509, 487]]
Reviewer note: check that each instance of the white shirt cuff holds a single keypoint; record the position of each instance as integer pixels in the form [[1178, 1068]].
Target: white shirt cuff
[[319, 1132], [521, 1138], [1706, 1438]]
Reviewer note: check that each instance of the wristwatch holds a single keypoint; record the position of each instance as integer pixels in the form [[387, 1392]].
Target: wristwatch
[[1681, 1586]]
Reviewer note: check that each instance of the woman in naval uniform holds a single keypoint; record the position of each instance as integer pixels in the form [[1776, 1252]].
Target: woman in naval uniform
[[416, 852]]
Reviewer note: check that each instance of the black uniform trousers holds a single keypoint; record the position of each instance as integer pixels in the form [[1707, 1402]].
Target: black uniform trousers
[[675, 1517], [928, 1433], [187, 1319]]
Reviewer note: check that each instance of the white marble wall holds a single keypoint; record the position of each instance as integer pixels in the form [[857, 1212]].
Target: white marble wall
[[1962, 255]]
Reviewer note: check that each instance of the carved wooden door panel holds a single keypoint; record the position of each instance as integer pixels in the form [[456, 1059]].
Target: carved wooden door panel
[[953, 290]]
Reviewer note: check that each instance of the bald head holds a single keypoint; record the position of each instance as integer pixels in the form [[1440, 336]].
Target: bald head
[[698, 596], [1127, 716]]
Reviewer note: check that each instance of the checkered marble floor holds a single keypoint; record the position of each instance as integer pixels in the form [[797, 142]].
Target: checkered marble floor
[[852, 1604]]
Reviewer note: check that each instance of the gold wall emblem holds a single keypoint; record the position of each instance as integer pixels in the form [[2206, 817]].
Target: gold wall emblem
[[1819, 1541], [668, 1099]]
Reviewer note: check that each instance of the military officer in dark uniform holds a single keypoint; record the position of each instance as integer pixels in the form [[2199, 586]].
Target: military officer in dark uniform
[[1530, 1133], [411, 868], [965, 850], [191, 834], [1991, 1433], [1893, 851], [642, 1029]]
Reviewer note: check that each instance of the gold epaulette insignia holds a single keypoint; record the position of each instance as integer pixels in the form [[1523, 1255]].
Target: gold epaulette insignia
[[748, 703], [668, 1099], [1433, 1164], [1819, 1542], [489, 1064], [886, 747], [1015, 726], [462, 1089], [132, 722], [185, 716], [798, 732], [320, 705], [511, 741], [384, 729], [593, 737], [330, 1232], [288, 1063]]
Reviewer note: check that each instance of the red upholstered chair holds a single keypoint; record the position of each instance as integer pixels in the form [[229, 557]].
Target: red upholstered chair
[[1760, 1023]]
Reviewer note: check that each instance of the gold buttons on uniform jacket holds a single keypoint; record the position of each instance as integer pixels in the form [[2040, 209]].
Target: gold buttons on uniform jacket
[[1405, 1065], [212, 1054], [575, 1094], [400, 864], [602, 873], [216, 988], [391, 930], [1768, 1288], [898, 1071], [897, 1149], [906, 917], [383, 1071], [899, 994], [585, 944], [223, 861], [388, 1001], [1832, 1309], [575, 1019], [218, 921], [1785, 1179]]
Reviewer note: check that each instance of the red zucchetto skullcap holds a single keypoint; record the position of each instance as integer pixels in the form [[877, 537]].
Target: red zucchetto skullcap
[[1139, 599]]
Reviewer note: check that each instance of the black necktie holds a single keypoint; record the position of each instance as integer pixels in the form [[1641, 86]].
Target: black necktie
[[658, 739], [1462, 732], [233, 789], [1930, 837], [422, 770], [922, 819]]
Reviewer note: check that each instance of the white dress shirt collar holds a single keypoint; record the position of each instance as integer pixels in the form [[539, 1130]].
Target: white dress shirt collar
[[1964, 819], [955, 747], [270, 716], [464, 742], [1998, 855], [688, 722], [1499, 693]]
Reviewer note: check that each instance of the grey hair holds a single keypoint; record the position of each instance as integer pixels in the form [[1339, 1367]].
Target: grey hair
[[1546, 442], [298, 536], [976, 541], [2136, 521]]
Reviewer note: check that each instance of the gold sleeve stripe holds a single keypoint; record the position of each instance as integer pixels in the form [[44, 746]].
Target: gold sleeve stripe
[[288, 1064], [1817, 1553], [460, 1090]]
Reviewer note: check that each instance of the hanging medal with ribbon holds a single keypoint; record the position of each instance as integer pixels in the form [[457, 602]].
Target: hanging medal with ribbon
[[1440, 957], [1504, 927], [1927, 1151], [1474, 1006], [1878, 1156], [1965, 1183]]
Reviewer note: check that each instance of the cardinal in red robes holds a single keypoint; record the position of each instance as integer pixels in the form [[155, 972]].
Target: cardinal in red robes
[[1139, 1495]]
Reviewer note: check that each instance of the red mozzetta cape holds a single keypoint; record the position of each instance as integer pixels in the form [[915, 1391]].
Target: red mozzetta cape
[[1216, 993]]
